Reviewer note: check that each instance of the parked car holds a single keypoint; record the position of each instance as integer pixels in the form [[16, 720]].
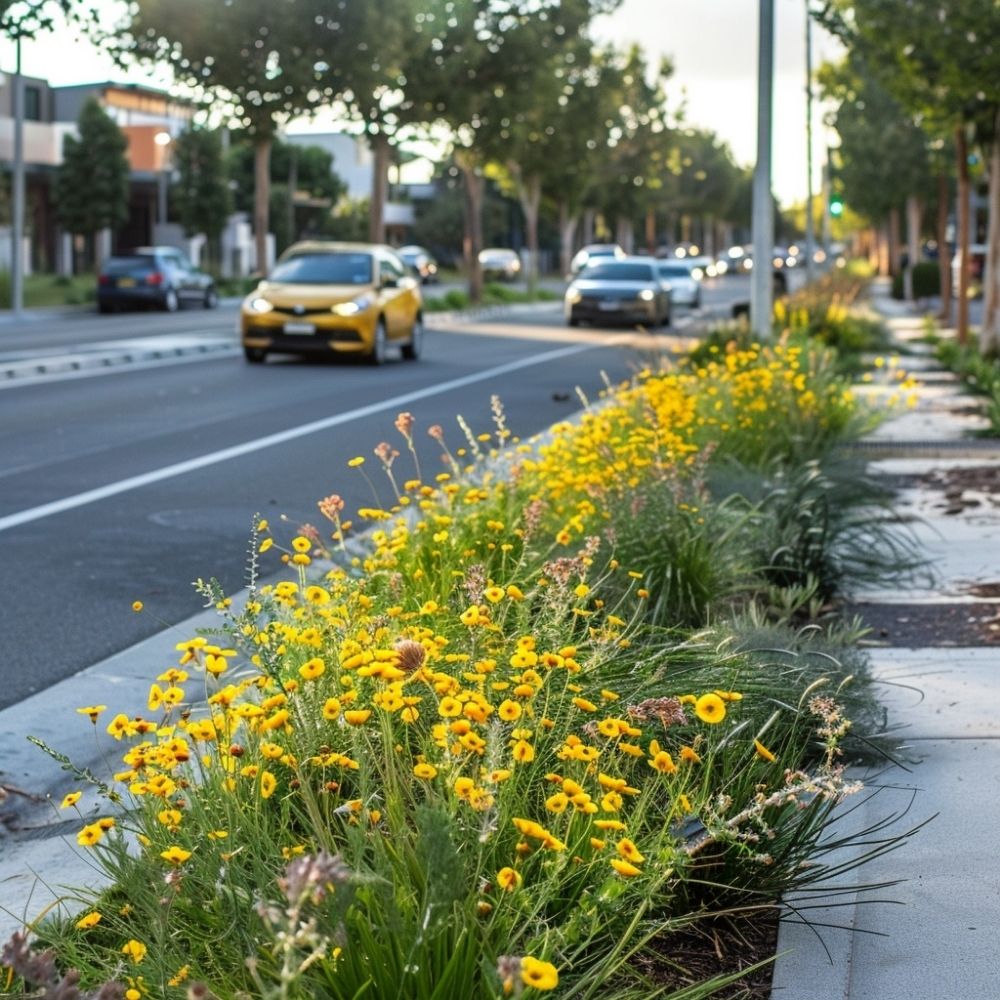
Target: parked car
[[154, 277], [685, 288], [421, 261], [334, 298], [497, 262], [619, 291], [592, 253]]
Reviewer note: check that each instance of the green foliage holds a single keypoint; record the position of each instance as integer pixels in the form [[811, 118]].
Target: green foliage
[[981, 373], [92, 182], [201, 194]]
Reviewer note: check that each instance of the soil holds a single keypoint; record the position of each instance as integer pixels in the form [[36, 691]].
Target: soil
[[964, 488], [917, 625], [715, 947]]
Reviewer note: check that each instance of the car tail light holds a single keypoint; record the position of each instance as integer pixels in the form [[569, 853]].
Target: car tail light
[[156, 278], [104, 279]]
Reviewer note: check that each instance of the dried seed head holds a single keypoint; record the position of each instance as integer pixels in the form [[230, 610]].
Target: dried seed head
[[411, 655]]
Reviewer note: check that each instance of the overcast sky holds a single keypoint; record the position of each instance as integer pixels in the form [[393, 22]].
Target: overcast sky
[[711, 43]]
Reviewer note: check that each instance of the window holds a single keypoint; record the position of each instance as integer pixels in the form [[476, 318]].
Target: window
[[33, 104]]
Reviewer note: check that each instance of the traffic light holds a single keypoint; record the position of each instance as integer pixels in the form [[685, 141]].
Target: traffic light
[[836, 204]]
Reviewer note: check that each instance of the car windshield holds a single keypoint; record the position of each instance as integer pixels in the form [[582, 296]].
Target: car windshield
[[325, 269], [122, 265], [675, 271], [615, 271]]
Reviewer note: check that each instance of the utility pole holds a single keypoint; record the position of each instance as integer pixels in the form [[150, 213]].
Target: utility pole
[[810, 222], [762, 288], [17, 213]]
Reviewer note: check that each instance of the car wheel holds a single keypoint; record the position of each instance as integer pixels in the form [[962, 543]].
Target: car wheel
[[697, 302], [105, 307], [171, 303], [378, 353], [255, 355], [571, 320], [413, 350], [667, 317], [211, 300]]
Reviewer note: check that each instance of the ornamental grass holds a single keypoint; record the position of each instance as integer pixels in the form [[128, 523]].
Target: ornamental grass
[[490, 746]]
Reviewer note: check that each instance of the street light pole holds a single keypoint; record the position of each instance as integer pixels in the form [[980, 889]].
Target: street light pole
[[762, 289], [17, 214], [163, 140], [810, 221]]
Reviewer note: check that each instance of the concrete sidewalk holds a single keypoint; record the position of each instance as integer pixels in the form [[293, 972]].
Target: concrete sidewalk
[[930, 931]]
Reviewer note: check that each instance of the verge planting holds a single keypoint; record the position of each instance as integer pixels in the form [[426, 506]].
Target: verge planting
[[553, 706]]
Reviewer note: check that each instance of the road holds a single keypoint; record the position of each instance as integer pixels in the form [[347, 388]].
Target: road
[[129, 481]]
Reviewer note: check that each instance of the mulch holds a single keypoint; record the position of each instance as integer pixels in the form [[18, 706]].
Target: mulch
[[915, 626]]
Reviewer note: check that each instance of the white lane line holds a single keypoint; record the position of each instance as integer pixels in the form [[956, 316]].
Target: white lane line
[[248, 447]]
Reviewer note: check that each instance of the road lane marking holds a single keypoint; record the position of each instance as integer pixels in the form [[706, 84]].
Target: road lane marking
[[247, 448]]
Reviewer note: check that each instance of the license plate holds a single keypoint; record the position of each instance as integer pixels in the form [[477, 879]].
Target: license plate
[[300, 328], [127, 282], [609, 305]]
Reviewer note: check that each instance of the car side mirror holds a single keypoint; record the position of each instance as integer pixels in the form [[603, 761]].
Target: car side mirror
[[390, 282]]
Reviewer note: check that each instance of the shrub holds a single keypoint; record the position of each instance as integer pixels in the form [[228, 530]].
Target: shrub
[[926, 281]]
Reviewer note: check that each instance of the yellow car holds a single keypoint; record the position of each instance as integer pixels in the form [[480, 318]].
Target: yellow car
[[345, 298]]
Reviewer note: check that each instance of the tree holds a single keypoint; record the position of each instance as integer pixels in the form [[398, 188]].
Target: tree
[[883, 159], [266, 61], [202, 193], [942, 61], [92, 183], [486, 59]]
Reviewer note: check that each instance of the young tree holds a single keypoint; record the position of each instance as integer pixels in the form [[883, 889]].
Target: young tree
[[941, 61], [265, 60], [91, 189], [202, 194]]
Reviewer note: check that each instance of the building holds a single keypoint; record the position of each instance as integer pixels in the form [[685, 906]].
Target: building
[[146, 115]]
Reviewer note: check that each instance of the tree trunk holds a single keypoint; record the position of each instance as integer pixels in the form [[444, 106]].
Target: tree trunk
[[651, 230], [261, 198], [624, 236], [989, 335], [894, 242], [883, 250], [567, 233], [914, 211], [472, 239], [529, 193], [379, 143], [589, 219], [962, 162], [944, 258]]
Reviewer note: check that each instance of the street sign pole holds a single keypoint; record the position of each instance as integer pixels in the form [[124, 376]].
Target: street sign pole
[[762, 289]]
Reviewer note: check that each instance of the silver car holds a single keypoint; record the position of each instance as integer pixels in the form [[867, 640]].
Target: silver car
[[685, 288], [628, 291]]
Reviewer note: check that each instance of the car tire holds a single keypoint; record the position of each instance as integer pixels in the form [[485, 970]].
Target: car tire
[[255, 355], [697, 302], [105, 308], [379, 344], [571, 320], [413, 349], [171, 302], [211, 300], [667, 318]]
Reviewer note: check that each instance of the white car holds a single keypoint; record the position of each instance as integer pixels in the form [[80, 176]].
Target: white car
[[685, 288], [498, 262], [593, 252]]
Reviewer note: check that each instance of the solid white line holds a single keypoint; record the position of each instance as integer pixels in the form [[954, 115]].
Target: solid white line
[[237, 451]]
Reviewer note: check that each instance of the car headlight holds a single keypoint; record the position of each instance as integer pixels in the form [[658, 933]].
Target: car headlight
[[353, 307], [647, 295], [259, 305], [573, 296], [697, 273]]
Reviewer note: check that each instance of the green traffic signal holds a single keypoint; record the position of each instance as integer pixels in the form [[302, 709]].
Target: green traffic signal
[[836, 204]]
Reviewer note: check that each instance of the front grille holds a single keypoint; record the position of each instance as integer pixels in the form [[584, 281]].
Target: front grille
[[300, 310]]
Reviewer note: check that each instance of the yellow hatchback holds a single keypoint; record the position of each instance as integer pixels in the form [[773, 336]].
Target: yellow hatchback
[[345, 298]]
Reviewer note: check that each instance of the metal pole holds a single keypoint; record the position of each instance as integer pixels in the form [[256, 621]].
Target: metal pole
[[17, 219], [826, 202], [762, 289], [810, 222]]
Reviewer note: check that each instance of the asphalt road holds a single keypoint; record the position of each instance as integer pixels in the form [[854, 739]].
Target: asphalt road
[[129, 484]]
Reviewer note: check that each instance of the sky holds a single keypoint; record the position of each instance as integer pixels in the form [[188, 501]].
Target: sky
[[711, 43]]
